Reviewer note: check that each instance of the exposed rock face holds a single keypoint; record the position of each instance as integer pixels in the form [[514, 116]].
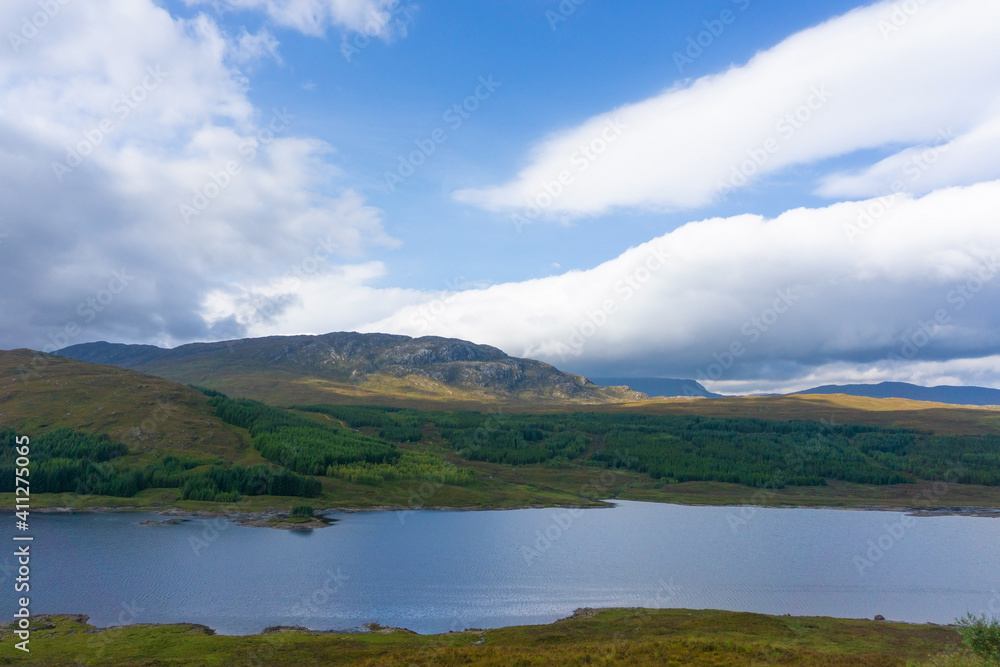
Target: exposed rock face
[[359, 359]]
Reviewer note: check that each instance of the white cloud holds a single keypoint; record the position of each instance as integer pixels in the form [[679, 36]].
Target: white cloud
[[310, 302], [127, 140], [252, 46], [313, 17], [789, 295], [978, 371], [950, 160], [876, 77], [272, 243]]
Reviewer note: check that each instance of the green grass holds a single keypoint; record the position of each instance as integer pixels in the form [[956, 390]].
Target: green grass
[[607, 637], [503, 487], [155, 417], [150, 415]]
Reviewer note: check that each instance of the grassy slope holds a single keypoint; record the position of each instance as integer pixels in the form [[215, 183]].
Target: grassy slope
[[619, 637], [939, 418], [145, 412], [285, 388], [150, 414]]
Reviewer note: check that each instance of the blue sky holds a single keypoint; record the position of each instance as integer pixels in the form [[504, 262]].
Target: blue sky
[[807, 197], [373, 108]]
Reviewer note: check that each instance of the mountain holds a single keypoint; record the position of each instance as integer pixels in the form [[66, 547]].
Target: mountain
[[41, 392], [355, 367], [667, 387], [940, 394]]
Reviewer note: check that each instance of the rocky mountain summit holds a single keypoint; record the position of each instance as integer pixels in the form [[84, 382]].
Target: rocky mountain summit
[[428, 365]]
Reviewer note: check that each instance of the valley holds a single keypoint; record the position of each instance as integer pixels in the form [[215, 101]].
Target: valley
[[499, 465]]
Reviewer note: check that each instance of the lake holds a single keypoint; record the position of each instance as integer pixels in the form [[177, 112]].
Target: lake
[[433, 571]]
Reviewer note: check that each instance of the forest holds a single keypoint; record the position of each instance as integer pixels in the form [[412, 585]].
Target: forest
[[307, 446], [375, 445], [68, 461], [753, 452]]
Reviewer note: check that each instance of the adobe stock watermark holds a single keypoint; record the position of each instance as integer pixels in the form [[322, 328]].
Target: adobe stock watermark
[[419, 495], [704, 39], [786, 127], [454, 116], [32, 24], [582, 158], [98, 643], [562, 521], [912, 342], [626, 287], [211, 530], [266, 306], [914, 168], [311, 604], [566, 8], [993, 606], [88, 310], [900, 15], [620, 649], [121, 108], [394, 13], [893, 533], [796, 460], [218, 181], [158, 416], [428, 312], [753, 330]]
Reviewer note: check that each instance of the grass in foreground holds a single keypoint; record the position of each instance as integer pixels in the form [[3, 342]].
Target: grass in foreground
[[590, 637]]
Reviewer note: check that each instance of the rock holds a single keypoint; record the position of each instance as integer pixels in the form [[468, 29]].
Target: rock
[[357, 358], [879, 617], [168, 522], [385, 629], [276, 629]]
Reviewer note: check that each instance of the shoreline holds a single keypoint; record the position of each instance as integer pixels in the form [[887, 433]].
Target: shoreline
[[254, 518], [373, 627], [618, 635]]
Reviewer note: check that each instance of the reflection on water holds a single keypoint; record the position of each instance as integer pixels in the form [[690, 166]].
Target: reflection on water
[[439, 571]]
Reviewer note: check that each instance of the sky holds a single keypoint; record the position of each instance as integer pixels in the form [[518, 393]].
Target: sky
[[760, 196]]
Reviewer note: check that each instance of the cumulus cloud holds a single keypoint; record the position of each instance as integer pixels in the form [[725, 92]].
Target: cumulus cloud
[[891, 76], [305, 300], [947, 161], [312, 17], [977, 371], [139, 179], [881, 288], [148, 200], [252, 46]]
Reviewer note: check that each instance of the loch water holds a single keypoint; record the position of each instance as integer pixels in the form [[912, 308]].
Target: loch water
[[435, 571]]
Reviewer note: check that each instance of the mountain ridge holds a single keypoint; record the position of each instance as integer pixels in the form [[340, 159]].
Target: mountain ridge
[[430, 366], [655, 386], [951, 394]]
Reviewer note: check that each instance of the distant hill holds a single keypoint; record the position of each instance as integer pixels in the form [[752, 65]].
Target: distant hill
[[356, 367], [941, 394], [41, 392], [652, 387]]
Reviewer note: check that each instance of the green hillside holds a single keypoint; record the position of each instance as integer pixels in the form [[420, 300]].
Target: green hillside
[[173, 445], [590, 637], [43, 392]]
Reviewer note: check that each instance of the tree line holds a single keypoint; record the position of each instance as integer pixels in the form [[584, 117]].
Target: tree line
[[748, 451], [68, 461]]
